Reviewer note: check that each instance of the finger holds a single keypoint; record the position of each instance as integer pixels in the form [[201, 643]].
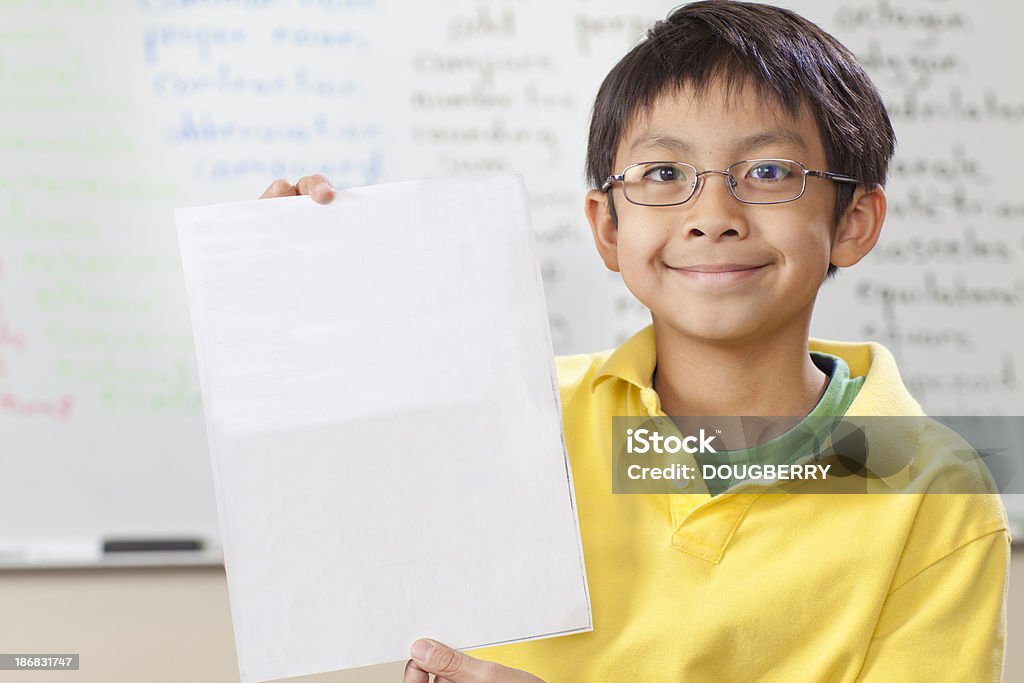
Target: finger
[[414, 674], [446, 663], [316, 186], [279, 188]]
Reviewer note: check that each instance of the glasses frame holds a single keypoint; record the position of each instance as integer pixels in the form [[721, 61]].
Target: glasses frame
[[827, 175]]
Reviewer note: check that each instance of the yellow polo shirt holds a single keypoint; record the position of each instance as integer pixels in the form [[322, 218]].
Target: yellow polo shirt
[[772, 587]]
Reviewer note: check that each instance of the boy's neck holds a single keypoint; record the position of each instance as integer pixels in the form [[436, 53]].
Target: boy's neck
[[767, 376]]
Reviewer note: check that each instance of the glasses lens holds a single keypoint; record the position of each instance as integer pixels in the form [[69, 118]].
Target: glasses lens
[[659, 183], [765, 181]]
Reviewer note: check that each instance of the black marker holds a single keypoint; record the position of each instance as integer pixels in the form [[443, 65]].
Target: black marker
[[128, 545]]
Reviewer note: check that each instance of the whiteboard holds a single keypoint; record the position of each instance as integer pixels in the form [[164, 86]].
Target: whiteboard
[[116, 112]]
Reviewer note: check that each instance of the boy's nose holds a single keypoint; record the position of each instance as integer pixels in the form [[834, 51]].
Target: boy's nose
[[714, 211]]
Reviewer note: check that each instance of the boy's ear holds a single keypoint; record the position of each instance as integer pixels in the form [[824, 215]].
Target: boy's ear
[[859, 227], [603, 226]]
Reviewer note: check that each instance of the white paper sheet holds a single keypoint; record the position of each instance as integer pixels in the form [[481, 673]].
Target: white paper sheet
[[384, 424]]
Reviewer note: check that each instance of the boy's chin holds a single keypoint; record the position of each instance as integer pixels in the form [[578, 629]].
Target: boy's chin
[[717, 330]]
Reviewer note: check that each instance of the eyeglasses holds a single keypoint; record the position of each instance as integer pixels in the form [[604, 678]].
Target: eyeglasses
[[752, 181]]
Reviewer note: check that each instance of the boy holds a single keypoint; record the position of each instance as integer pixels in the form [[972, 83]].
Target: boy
[[737, 157]]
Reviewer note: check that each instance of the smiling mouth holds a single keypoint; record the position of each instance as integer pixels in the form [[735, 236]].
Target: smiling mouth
[[720, 267], [720, 272]]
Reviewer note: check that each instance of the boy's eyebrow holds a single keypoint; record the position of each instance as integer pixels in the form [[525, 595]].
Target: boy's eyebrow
[[669, 142], [754, 141], [776, 136]]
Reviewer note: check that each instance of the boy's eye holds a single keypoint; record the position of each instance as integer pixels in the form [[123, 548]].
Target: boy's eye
[[665, 174], [769, 171]]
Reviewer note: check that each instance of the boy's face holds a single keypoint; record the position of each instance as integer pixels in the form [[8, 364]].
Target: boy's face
[[714, 267]]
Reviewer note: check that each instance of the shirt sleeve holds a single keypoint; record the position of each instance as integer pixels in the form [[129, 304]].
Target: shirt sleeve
[[948, 622]]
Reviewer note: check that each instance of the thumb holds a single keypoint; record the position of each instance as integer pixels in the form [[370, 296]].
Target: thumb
[[447, 663]]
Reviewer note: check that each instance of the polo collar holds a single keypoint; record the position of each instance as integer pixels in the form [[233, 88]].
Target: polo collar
[[882, 394], [634, 361]]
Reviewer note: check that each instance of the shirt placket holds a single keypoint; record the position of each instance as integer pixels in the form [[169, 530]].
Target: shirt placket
[[700, 525]]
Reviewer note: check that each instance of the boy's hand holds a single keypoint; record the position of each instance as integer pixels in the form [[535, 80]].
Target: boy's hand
[[451, 666], [316, 186]]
